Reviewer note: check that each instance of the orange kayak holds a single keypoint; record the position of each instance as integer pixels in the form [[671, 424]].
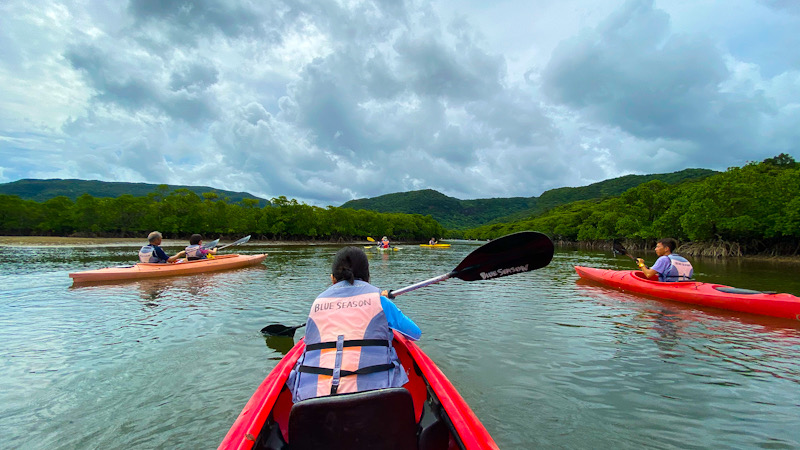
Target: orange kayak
[[151, 270]]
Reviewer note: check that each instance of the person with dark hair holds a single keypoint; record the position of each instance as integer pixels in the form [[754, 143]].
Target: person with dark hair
[[153, 253], [195, 249], [669, 266], [349, 335]]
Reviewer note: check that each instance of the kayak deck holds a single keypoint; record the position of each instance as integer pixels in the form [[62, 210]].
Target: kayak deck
[[151, 270], [435, 245], [705, 294], [427, 412]]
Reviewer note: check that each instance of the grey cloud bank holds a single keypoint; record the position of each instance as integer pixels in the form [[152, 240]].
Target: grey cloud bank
[[328, 101]]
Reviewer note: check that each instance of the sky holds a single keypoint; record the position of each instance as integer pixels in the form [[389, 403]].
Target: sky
[[327, 101]]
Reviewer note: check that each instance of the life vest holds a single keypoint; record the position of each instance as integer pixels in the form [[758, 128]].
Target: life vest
[[348, 345], [147, 254], [193, 253], [679, 270], [384, 244]]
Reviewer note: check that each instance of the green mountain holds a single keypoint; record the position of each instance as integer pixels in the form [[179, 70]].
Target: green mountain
[[458, 214], [43, 190]]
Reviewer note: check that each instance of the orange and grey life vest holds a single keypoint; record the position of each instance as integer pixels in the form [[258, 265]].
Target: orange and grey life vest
[[193, 253], [348, 345], [680, 269]]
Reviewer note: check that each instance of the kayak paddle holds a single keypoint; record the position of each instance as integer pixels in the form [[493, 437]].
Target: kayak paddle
[[277, 329], [240, 241], [370, 239], [211, 244], [618, 248], [508, 255]]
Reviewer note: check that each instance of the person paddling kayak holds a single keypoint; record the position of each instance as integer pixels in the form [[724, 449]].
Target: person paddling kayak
[[195, 249], [153, 253], [433, 241], [669, 266], [349, 335], [384, 242]]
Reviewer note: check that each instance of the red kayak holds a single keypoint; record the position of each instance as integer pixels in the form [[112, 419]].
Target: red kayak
[[426, 413], [695, 292], [152, 270]]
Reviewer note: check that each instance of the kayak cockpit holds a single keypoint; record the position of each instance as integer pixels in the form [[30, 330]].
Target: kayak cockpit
[[379, 419]]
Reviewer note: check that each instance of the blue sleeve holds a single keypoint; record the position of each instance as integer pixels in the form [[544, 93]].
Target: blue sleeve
[[398, 321], [662, 265], [160, 253]]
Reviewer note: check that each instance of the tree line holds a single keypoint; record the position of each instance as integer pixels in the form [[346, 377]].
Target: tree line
[[180, 213], [756, 206]]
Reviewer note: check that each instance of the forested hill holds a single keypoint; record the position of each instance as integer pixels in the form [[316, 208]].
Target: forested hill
[[43, 190], [457, 214]]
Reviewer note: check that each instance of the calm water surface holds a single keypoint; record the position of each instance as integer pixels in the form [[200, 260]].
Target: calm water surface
[[543, 360]]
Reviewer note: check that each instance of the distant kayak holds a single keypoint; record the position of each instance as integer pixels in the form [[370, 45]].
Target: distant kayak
[[426, 413], [435, 245], [698, 293], [152, 270]]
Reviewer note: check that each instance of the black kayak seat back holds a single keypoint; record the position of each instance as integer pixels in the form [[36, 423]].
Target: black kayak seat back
[[733, 290], [378, 419]]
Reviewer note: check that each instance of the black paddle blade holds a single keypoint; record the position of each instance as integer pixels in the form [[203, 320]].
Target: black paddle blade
[[618, 248], [510, 254], [277, 329]]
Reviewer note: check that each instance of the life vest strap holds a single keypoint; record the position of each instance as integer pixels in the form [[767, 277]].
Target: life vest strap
[[350, 343], [344, 373]]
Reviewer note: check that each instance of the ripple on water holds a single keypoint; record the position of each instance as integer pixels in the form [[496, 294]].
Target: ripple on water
[[542, 360]]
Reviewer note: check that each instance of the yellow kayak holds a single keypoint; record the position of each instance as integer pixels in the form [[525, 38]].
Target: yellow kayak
[[435, 245]]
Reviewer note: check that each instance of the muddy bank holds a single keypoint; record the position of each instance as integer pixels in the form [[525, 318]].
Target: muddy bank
[[56, 241], [689, 249]]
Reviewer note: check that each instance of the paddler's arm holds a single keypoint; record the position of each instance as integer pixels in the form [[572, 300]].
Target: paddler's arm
[[399, 321], [180, 254], [649, 273]]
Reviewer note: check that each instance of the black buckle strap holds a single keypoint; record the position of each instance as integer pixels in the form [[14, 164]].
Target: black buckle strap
[[344, 373], [350, 343]]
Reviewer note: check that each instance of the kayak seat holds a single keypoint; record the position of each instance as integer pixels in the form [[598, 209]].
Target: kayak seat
[[378, 419], [435, 436]]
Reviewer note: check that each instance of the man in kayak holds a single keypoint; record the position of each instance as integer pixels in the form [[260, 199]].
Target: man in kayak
[[668, 266], [349, 335], [432, 241], [384, 242], [153, 253], [195, 249]]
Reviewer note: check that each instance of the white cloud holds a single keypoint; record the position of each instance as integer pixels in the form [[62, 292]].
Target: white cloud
[[327, 101]]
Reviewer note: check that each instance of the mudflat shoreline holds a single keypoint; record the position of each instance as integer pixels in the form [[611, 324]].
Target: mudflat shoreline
[[56, 241]]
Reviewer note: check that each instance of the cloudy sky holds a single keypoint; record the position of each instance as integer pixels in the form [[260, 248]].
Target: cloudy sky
[[325, 101]]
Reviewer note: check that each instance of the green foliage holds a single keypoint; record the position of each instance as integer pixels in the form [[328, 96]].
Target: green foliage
[[457, 214], [43, 190], [759, 202], [183, 212]]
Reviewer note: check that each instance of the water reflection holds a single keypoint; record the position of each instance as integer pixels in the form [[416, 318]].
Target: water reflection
[[281, 344]]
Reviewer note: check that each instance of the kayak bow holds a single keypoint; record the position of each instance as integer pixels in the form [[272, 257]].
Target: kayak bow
[[698, 293], [433, 404]]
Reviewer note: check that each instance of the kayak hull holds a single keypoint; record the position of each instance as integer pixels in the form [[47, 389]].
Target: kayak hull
[[705, 294], [435, 245], [148, 270], [267, 412]]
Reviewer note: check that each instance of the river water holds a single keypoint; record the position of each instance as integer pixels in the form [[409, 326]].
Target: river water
[[543, 360]]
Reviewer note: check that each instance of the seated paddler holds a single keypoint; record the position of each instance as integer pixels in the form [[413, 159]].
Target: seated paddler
[[349, 335], [669, 266], [195, 249], [153, 253]]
